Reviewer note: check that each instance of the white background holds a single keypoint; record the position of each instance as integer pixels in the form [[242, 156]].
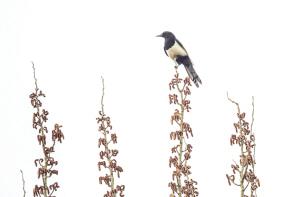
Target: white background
[[244, 47]]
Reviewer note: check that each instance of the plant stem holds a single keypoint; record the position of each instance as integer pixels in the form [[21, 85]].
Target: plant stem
[[180, 136], [40, 121], [23, 181], [112, 185], [242, 173]]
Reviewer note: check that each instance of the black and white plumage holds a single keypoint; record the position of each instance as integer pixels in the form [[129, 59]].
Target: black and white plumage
[[175, 50]]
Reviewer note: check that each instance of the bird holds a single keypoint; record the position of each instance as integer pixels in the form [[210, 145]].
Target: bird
[[175, 50]]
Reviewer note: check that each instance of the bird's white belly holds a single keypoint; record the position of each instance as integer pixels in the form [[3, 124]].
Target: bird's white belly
[[176, 50]]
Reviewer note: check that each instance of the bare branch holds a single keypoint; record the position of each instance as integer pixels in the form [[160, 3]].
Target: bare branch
[[181, 184], [23, 183], [252, 115], [34, 76], [46, 162], [107, 154], [102, 97], [234, 102], [245, 139]]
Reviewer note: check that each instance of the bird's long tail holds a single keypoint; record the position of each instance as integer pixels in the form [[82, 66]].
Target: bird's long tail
[[186, 61], [193, 75]]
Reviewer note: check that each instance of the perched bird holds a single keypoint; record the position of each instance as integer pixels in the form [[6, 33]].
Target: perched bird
[[175, 50]]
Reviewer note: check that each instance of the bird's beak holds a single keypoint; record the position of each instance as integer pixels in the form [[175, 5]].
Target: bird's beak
[[159, 35]]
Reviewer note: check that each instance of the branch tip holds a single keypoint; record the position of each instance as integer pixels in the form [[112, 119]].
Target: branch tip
[[23, 183]]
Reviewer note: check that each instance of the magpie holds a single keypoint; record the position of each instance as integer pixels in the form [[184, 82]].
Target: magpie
[[175, 50]]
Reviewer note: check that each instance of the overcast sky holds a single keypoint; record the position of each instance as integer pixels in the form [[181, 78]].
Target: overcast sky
[[248, 48]]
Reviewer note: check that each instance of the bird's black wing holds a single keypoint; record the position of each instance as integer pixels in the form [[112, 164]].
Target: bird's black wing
[[166, 52], [181, 45]]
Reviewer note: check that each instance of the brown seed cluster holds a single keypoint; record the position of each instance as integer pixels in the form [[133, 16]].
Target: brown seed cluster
[[181, 184], [243, 174], [47, 163], [108, 155]]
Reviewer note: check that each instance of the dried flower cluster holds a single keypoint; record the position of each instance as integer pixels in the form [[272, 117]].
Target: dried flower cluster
[[107, 155], [181, 184], [47, 162], [244, 171]]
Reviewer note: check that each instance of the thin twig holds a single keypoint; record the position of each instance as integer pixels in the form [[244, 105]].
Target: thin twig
[[40, 123], [241, 172], [244, 139], [111, 185], [23, 182], [35, 79], [252, 114], [234, 102], [246, 186], [107, 154], [102, 105], [47, 162], [252, 133]]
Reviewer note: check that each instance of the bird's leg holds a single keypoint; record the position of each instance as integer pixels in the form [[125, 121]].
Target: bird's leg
[[176, 65]]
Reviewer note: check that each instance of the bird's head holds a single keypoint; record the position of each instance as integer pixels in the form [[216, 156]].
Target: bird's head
[[166, 34]]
